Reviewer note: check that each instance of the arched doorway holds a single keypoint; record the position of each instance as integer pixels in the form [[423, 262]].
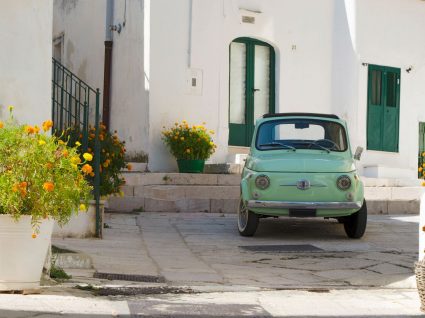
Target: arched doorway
[[251, 87]]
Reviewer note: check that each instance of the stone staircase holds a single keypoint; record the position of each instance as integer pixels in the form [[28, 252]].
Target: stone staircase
[[219, 193]]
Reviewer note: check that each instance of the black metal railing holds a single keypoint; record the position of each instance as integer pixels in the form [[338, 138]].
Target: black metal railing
[[76, 105]]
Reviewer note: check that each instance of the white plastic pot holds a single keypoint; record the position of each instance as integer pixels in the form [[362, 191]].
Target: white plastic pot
[[81, 225], [21, 256]]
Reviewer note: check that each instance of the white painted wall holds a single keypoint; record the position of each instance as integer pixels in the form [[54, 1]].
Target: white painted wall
[[303, 75], [320, 47], [82, 24], [388, 33], [25, 59], [129, 94]]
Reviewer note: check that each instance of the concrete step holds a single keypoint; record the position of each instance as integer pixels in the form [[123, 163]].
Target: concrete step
[[223, 168], [178, 192], [142, 179]]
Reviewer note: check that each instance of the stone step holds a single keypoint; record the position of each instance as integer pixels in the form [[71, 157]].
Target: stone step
[[162, 178], [180, 192], [223, 168]]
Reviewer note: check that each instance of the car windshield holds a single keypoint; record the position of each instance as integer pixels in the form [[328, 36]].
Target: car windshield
[[293, 134]]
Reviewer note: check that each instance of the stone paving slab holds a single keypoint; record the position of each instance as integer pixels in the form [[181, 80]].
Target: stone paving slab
[[210, 244]]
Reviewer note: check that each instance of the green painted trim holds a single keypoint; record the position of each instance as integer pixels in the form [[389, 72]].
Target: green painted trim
[[249, 125], [381, 144]]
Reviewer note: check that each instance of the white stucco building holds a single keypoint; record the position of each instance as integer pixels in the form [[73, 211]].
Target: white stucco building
[[26, 59], [227, 62]]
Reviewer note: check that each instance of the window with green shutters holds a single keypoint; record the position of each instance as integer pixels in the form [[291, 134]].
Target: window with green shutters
[[383, 108]]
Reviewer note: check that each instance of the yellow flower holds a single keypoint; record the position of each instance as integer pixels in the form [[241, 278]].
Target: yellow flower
[[423, 154], [181, 138], [73, 165], [212, 132], [211, 143], [75, 160], [61, 142], [11, 108], [83, 207], [41, 142], [48, 186], [423, 183], [88, 157], [78, 144], [420, 169], [188, 150]]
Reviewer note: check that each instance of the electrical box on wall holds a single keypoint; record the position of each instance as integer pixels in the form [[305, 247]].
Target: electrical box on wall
[[194, 81]]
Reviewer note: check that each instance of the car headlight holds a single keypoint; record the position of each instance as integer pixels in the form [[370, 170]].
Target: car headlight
[[262, 182], [343, 182]]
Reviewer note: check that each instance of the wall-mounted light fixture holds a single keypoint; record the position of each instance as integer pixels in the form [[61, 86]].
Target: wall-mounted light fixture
[[409, 69]]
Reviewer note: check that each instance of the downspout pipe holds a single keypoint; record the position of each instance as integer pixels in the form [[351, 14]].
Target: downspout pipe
[[106, 109]]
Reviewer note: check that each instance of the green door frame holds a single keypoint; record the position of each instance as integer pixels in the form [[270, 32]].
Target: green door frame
[[241, 134], [383, 120]]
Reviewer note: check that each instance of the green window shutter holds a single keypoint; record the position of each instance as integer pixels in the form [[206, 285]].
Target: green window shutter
[[383, 108]]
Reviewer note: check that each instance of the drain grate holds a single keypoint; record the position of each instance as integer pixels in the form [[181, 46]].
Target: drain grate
[[130, 278], [282, 248]]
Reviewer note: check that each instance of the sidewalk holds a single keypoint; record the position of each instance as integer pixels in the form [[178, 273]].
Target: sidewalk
[[196, 265]]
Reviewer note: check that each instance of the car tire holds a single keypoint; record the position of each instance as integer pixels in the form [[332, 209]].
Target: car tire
[[247, 220], [355, 224]]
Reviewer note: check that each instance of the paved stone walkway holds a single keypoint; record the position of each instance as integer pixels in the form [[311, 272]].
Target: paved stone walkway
[[206, 248]]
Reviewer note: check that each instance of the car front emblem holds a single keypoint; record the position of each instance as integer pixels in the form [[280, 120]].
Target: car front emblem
[[303, 184]]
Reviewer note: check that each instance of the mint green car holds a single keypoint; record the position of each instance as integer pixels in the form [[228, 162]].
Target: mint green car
[[301, 165]]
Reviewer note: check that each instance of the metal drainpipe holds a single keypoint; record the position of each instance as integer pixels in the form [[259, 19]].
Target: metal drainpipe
[[106, 109]]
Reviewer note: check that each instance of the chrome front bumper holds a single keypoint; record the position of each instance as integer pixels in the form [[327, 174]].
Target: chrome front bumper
[[303, 205]]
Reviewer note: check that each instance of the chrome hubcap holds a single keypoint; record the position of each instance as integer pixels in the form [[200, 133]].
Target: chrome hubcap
[[242, 215]]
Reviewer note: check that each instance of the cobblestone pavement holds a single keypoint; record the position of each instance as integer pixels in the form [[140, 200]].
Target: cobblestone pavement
[[206, 248]]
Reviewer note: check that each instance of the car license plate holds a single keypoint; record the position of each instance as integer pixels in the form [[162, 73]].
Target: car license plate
[[302, 213]]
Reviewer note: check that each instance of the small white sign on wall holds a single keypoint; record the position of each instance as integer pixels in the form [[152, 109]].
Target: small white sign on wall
[[194, 81]]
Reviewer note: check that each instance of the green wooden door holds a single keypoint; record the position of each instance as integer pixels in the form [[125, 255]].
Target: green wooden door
[[251, 87], [383, 109]]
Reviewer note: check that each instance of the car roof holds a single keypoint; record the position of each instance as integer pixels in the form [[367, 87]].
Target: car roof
[[300, 115]]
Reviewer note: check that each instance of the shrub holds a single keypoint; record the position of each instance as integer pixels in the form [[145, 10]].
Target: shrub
[[189, 142], [112, 160], [40, 175]]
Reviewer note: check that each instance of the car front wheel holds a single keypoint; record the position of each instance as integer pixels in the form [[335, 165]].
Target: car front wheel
[[247, 220], [355, 224]]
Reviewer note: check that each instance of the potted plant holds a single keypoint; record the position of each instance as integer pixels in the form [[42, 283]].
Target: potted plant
[[190, 145], [112, 152], [41, 181]]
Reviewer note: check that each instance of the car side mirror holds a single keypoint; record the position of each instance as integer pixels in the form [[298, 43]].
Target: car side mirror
[[358, 153]]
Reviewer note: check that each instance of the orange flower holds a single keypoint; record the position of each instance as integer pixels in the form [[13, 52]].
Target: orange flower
[[29, 129], [49, 165], [1, 124], [36, 129], [34, 235], [87, 169], [129, 167], [48, 186], [65, 153], [47, 125]]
